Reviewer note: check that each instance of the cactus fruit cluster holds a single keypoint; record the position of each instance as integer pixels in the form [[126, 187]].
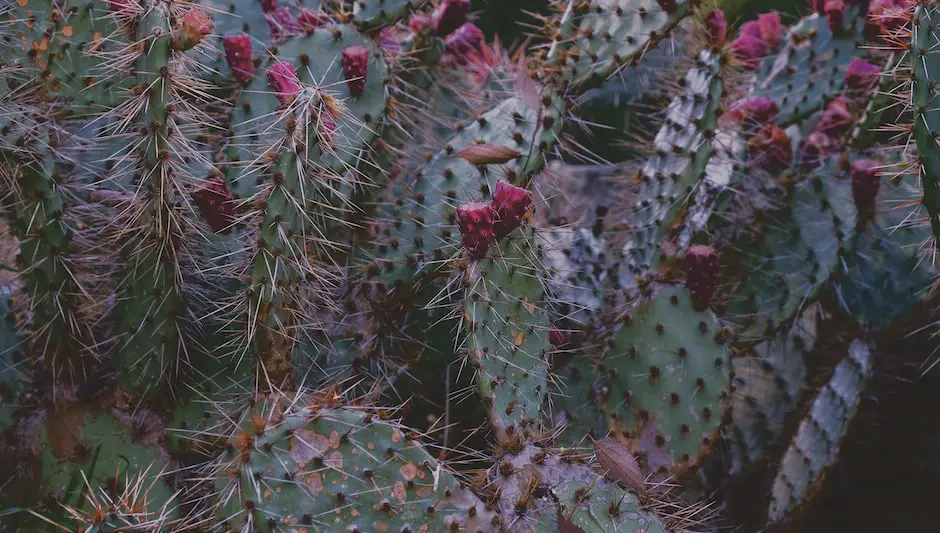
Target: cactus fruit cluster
[[280, 266]]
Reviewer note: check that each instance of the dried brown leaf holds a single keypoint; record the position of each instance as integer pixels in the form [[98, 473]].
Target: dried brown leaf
[[620, 464], [487, 154]]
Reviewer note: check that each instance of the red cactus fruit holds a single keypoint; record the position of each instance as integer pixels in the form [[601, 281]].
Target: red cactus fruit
[[701, 271], [836, 120], [769, 149], [268, 6], [355, 68], [757, 38], [238, 56], [464, 40], [861, 77], [511, 204], [216, 204], [557, 337], [753, 109], [282, 24], [668, 5], [449, 16], [475, 221], [310, 20], [815, 148], [865, 184], [195, 25], [716, 27], [835, 14], [283, 79], [770, 29]]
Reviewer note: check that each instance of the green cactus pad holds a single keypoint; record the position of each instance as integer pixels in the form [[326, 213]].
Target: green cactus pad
[[418, 233], [574, 495], [62, 449], [317, 58], [336, 470], [768, 384], [601, 37], [12, 380], [926, 72], [683, 149], [371, 13], [666, 380], [810, 69], [819, 437], [69, 51], [507, 330]]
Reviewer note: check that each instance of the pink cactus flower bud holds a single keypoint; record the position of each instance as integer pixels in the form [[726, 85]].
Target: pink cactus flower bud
[[238, 56], [511, 204], [861, 77], [282, 24], [865, 183], [283, 79], [355, 68], [885, 19], [475, 221], [449, 16], [716, 27], [815, 148], [268, 6], [310, 20], [769, 149], [558, 338], [835, 14], [420, 24], [464, 40], [836, 120], [216, 204], [195, 25], [701, 272], [770, 28], [757, 38], [668, 5], [752, 110]]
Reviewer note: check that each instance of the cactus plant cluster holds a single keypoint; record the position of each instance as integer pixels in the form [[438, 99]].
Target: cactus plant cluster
[[252, 237]]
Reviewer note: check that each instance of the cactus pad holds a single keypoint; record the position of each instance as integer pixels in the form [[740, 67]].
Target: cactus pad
[[370, 13]]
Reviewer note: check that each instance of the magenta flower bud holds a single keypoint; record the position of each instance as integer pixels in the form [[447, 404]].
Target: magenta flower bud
[[282, 24], [195, 25], [815, 148], [238, 57], [355, 68], [748, 48], [752, 110], [769, 149], [464, 40], [449, 16], [701, 273], [865, 184], [216, 204], [475, 221], [511, 204], [835, 14], [770, 29], [836, 120], [861, 77], [716, 27], [310, 20], [283, 79]]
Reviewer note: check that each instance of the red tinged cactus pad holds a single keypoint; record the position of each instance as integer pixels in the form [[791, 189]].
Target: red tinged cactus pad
[[815, 148], [836, 120], [268, 6], [195, 25], [865, 183], [238, 56], [355, 68], [886, 18], [464, 40], [716, 27], [861, 77], [511, 204], [557, 338], [283, 79], [701, 270], [449, 16], [770, 149], [475, 221], [216, 204]]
